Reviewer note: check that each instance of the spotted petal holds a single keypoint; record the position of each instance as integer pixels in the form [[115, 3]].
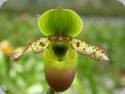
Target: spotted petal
[[35, 46], [90, 50]]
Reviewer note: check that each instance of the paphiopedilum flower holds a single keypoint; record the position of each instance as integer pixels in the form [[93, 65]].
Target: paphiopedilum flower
[[60, 47]]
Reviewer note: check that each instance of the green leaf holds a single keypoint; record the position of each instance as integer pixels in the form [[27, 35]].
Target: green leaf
[[60, 22]]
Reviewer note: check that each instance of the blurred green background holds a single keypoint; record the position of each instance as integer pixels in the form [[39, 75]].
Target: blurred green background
[[104, 26]]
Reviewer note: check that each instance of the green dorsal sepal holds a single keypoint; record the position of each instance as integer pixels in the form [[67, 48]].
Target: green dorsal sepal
[[60, 22]]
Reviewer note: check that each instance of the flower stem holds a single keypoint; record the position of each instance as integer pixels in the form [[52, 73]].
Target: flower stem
[[51, 91]]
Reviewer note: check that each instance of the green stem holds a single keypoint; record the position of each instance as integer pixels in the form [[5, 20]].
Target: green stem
[[51, 91], [93, 84]]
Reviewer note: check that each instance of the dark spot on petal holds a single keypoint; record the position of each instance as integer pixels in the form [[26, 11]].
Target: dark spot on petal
[[70, 38], [102, 51], [91, 54], [49, 38], [97, 49], [77, 44], [83, 48], [42, 44], [94, 53]]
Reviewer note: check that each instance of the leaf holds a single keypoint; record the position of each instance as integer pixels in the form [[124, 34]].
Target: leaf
[[60, 22], [35, 46]]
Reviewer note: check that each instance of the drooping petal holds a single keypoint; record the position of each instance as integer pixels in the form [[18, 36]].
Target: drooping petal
[[93, 51], [35, 46]]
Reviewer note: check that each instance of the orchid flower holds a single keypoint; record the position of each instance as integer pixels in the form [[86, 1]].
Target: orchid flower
[[60, 47]]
